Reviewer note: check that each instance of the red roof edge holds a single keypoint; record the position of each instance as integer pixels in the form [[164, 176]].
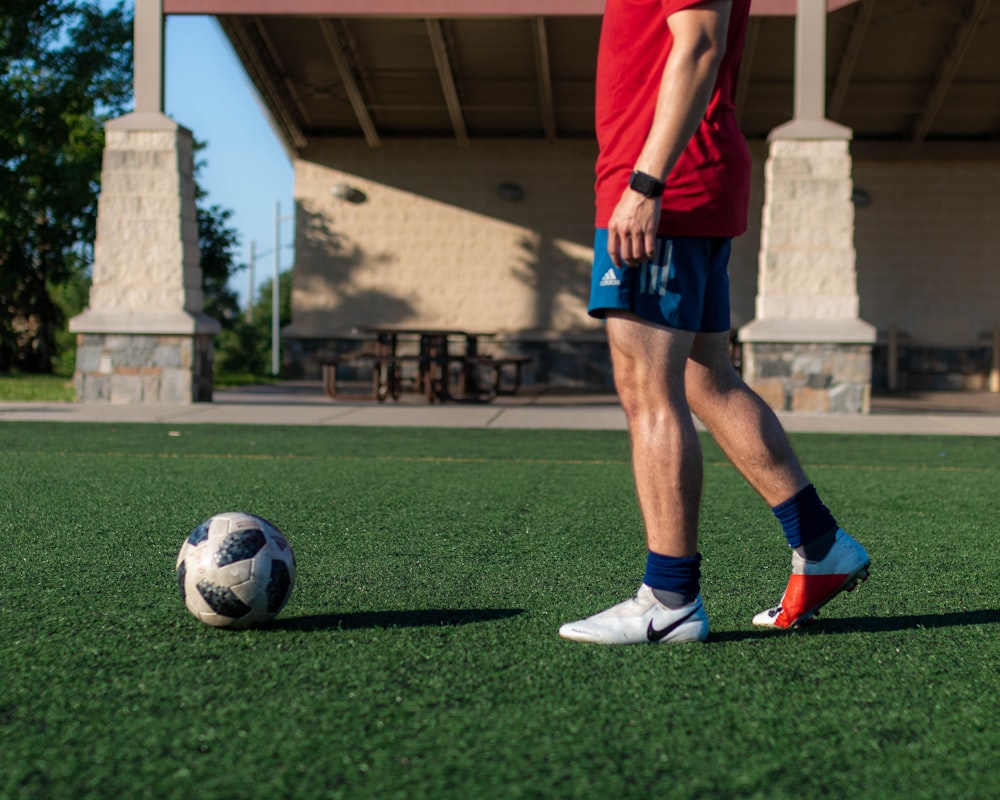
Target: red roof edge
[[435, 8]]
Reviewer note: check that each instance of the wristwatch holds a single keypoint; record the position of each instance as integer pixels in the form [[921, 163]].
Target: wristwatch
[[646, 185]]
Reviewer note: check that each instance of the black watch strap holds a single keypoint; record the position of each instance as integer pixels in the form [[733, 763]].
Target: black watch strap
[[646, 185]]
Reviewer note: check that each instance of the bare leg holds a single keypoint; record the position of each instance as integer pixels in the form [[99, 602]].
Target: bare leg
[[649, 368], [745, 427]]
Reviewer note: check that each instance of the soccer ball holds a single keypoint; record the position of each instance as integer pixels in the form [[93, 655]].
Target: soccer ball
[[235, 570]]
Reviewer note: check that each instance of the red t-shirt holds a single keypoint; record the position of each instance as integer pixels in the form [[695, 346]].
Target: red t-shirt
[[708, 191]]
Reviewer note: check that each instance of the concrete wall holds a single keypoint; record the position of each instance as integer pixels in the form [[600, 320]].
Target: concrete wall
[[928, 248]]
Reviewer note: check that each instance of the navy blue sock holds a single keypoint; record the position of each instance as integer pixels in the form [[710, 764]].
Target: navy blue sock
[[808, 524], [675, 581]]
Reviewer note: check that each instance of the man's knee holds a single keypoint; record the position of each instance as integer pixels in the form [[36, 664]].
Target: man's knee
[[711, 389], [646, 397]]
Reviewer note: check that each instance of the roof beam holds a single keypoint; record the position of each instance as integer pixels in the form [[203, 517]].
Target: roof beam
[[265, 79], [543, 69], [957, 49], [850, 60], [289, 84], [440, 49], [354, 95]]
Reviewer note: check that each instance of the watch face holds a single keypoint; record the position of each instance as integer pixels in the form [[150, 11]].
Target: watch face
[[645, 184]]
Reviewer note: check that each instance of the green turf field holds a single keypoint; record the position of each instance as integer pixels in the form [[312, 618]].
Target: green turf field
[[418, 655]]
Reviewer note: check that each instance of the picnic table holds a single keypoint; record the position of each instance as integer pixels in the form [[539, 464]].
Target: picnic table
[[442, 364]]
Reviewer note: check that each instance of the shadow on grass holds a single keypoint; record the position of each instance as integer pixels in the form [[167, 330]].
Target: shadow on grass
[[437, 617], [424, 618], [840, 625]]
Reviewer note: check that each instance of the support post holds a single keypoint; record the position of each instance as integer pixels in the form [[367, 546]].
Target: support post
[[807, 349], [893, 359], [143, 337], [147, 69]]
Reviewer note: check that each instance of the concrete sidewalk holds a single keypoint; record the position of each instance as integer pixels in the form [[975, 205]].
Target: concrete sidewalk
[[303, 403]]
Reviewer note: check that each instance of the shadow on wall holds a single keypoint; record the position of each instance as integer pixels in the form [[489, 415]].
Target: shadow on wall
[[326, 270], [337, 287], [558, 281], [545, 191]]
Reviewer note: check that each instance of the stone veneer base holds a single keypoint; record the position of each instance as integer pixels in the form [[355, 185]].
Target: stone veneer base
[[809, 377], [143, 368]]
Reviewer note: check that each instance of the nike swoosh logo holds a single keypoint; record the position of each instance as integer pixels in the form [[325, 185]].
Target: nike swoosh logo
[[655, 635]]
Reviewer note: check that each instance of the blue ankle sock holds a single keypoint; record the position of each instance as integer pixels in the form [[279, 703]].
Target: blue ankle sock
[[808, 524], [675, 581]]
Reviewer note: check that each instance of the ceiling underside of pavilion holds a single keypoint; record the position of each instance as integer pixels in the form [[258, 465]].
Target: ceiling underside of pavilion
[[912, 71]]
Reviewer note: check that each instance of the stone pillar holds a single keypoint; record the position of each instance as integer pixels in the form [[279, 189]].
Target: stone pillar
[[807, 349], [143, 338]]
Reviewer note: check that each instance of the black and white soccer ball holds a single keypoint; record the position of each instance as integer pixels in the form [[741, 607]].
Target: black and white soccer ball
[[235, 570]]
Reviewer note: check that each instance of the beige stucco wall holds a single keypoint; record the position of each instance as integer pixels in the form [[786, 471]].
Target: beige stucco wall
[[434, 245], [928, 248]]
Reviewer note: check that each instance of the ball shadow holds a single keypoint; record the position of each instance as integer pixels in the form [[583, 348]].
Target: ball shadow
[[423, 618]]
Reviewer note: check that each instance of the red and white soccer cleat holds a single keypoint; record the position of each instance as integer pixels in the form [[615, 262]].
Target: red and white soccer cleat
[[814, 583]]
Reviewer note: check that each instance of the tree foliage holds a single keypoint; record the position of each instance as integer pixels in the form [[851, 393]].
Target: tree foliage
[[65, 69], [218, 242], [244, 348]]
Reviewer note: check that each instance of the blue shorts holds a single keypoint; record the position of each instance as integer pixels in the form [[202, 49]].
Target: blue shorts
[[686, 286]]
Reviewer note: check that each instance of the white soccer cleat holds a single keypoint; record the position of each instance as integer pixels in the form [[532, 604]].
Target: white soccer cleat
[[814, 583], [641, 619]]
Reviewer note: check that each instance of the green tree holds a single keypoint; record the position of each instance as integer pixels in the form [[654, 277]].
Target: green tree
[[244, 348], [65, 69], [218, 243]]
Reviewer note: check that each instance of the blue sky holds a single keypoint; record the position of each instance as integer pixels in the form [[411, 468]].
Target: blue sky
[[246, 168]]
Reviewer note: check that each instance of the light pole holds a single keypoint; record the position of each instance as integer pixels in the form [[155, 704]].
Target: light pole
[[275, 254], [250, 286], [276, 292], [276, 295]]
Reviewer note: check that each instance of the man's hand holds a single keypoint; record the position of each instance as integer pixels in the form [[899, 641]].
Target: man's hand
[[632, 229]]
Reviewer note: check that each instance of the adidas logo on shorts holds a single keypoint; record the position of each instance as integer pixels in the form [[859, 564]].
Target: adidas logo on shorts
[[610, 279]]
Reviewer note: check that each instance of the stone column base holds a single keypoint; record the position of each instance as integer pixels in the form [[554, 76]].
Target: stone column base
[[821, 378], [143, 368], [810, 366], [153, 358]]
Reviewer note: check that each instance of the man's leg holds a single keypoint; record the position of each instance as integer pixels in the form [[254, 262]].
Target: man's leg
[[649, 365], [649, 368], [826, 560], [744, 426]]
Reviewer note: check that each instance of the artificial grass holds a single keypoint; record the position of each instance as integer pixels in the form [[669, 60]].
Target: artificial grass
[[418, 655]]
